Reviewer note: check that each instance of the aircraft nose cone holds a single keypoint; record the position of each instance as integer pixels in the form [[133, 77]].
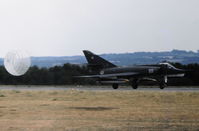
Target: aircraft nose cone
[[180, 70]]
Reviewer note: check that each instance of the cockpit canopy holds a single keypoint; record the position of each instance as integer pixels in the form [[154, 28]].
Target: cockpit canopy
[[169, 66]]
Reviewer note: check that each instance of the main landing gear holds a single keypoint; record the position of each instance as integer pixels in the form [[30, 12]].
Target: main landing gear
[[115, 86], [134, 84]]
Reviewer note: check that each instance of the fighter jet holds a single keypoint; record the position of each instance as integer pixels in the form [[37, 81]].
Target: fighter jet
[[106, 72]]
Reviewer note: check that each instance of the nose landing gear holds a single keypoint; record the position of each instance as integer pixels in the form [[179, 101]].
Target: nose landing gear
[[163, 83]]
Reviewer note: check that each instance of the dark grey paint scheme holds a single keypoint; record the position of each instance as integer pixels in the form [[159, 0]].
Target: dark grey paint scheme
[[108, 73]]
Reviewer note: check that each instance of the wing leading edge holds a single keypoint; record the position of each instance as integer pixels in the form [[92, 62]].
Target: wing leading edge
[[110, 75]]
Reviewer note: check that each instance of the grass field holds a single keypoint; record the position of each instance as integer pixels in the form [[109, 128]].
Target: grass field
[[98, 110]]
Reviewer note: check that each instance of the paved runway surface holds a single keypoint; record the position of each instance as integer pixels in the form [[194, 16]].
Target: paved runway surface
[[98, 88]]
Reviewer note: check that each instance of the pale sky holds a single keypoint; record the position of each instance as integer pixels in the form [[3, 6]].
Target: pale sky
[[66, 27]]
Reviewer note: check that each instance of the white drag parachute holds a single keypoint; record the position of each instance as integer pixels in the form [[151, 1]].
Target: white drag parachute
[[17, 63]]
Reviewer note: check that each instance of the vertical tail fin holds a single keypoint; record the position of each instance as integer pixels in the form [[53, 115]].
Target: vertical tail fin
[[96, 62]]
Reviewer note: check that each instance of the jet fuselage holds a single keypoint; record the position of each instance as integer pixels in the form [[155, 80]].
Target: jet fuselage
[[108, 73]]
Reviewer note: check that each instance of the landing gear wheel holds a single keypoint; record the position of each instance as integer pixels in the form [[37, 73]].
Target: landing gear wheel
[[162, 85], [115, 86], [135, 84]]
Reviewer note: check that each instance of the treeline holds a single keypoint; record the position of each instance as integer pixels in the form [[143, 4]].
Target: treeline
[[57, 75], [64, 75]]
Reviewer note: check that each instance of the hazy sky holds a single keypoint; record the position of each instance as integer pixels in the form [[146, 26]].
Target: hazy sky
[[66, 27]]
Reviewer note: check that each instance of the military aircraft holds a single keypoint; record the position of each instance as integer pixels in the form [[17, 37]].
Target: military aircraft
[[107, 73]]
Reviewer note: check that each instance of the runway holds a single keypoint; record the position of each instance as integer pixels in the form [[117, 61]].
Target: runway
[[98, 88]]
